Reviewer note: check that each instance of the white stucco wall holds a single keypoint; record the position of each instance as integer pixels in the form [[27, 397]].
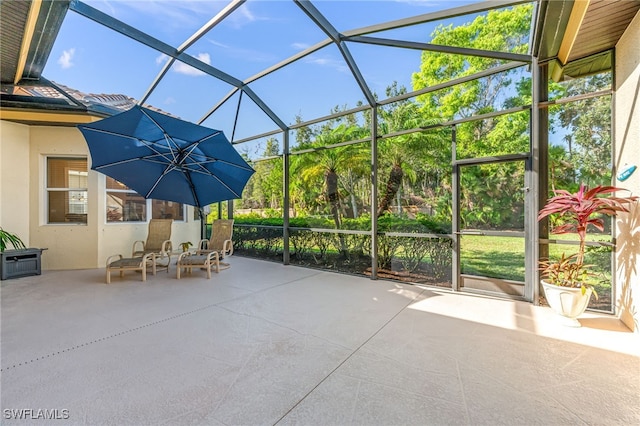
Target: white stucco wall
[[23, 152], [14, 179], [627, 151]]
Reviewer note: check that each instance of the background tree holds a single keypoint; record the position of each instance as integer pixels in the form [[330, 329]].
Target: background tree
[[586, 125], [498, 30], [264, 189], [327, 165]]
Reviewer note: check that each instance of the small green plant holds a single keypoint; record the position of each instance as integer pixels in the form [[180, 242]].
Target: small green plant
[[9, 238], [566, 272]]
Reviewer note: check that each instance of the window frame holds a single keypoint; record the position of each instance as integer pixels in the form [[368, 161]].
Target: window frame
[[50, 189], [122, 191], [148, 206]]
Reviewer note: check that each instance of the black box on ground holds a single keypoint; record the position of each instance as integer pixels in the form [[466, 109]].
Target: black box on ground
[[20, 263]]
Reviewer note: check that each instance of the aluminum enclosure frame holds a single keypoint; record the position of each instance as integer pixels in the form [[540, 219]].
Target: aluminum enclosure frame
[[535, 158]]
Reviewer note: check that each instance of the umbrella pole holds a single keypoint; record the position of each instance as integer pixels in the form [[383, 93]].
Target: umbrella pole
[[203, 224]]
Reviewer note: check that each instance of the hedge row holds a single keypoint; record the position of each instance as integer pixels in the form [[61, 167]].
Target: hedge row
[[262, 238], [387, 223]]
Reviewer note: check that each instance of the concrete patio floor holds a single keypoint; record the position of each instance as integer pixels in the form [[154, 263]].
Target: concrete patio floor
[[265, 344]]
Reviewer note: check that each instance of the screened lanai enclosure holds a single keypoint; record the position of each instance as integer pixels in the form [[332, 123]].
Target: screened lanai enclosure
[[394, 140]]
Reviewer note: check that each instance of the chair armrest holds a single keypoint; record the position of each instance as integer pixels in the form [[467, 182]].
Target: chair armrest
[[113, 258], [134, 251], [203, 245], [167, 247], [228, 247], [183, 255]]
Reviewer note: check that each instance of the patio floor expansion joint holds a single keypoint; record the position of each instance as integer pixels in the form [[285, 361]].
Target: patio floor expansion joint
[[78, 346], [10, 367]]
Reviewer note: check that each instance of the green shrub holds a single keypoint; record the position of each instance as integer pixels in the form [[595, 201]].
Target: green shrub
[[262, 236]]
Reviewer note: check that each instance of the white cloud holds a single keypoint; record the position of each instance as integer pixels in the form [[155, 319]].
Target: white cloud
[[175, 15], [169, 14], [162, 59], [243, 16], [249, 55], [217, 43], [169, 101], [182, 68], [65, 60], [336, 64], [246, 13], [300, 46], [430, 3]]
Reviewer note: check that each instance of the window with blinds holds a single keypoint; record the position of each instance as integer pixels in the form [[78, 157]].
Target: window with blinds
[[167, 210], [67, 190], [126, 205]]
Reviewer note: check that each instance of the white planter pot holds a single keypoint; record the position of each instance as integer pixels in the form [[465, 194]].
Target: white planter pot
[[567, 301]]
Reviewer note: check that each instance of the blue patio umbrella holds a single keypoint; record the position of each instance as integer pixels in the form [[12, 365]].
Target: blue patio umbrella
[[165, 158]]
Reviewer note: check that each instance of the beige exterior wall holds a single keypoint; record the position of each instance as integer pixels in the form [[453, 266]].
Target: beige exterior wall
[[14, 179], [627, 151], [70, 246], [23, 153]]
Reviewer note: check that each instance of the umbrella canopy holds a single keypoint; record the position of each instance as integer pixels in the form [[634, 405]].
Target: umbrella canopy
[[166, 158]]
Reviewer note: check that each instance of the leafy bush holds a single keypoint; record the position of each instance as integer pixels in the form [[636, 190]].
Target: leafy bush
[[262, 237]]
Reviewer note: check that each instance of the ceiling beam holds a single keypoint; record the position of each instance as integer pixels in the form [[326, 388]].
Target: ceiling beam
[[436, 16], [314, 14], [573, 26], [189, 42], [152, 42], [27, 37], [507, 56]]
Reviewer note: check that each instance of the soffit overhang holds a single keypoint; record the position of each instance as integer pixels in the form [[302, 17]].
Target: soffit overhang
[[577, 37], [28, 29]]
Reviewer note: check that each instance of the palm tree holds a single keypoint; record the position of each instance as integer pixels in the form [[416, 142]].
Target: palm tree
[[403, 153], [331, 163]]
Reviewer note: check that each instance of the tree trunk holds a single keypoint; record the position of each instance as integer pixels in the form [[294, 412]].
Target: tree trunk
[[354, 206], [331, 179], [393, 184]]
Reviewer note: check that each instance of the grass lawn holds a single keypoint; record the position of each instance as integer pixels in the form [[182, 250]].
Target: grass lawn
[[503, 257], [497, 257]]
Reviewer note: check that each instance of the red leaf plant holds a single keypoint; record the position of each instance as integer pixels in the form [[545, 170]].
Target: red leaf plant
[[579, 210]]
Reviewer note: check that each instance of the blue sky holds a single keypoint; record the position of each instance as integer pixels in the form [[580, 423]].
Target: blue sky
[[93, 59]]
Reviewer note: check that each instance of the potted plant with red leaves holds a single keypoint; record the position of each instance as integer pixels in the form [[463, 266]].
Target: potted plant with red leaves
[[566, 281]]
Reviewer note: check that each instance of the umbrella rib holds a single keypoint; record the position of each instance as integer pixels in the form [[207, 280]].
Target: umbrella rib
[[148, 144], [173, 149], [225, 185], [168, 138], [193, 145], [116, 163], [157, 182], [149, 158], [109, 132], [207, 172], [171, 153], [228, 163]]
